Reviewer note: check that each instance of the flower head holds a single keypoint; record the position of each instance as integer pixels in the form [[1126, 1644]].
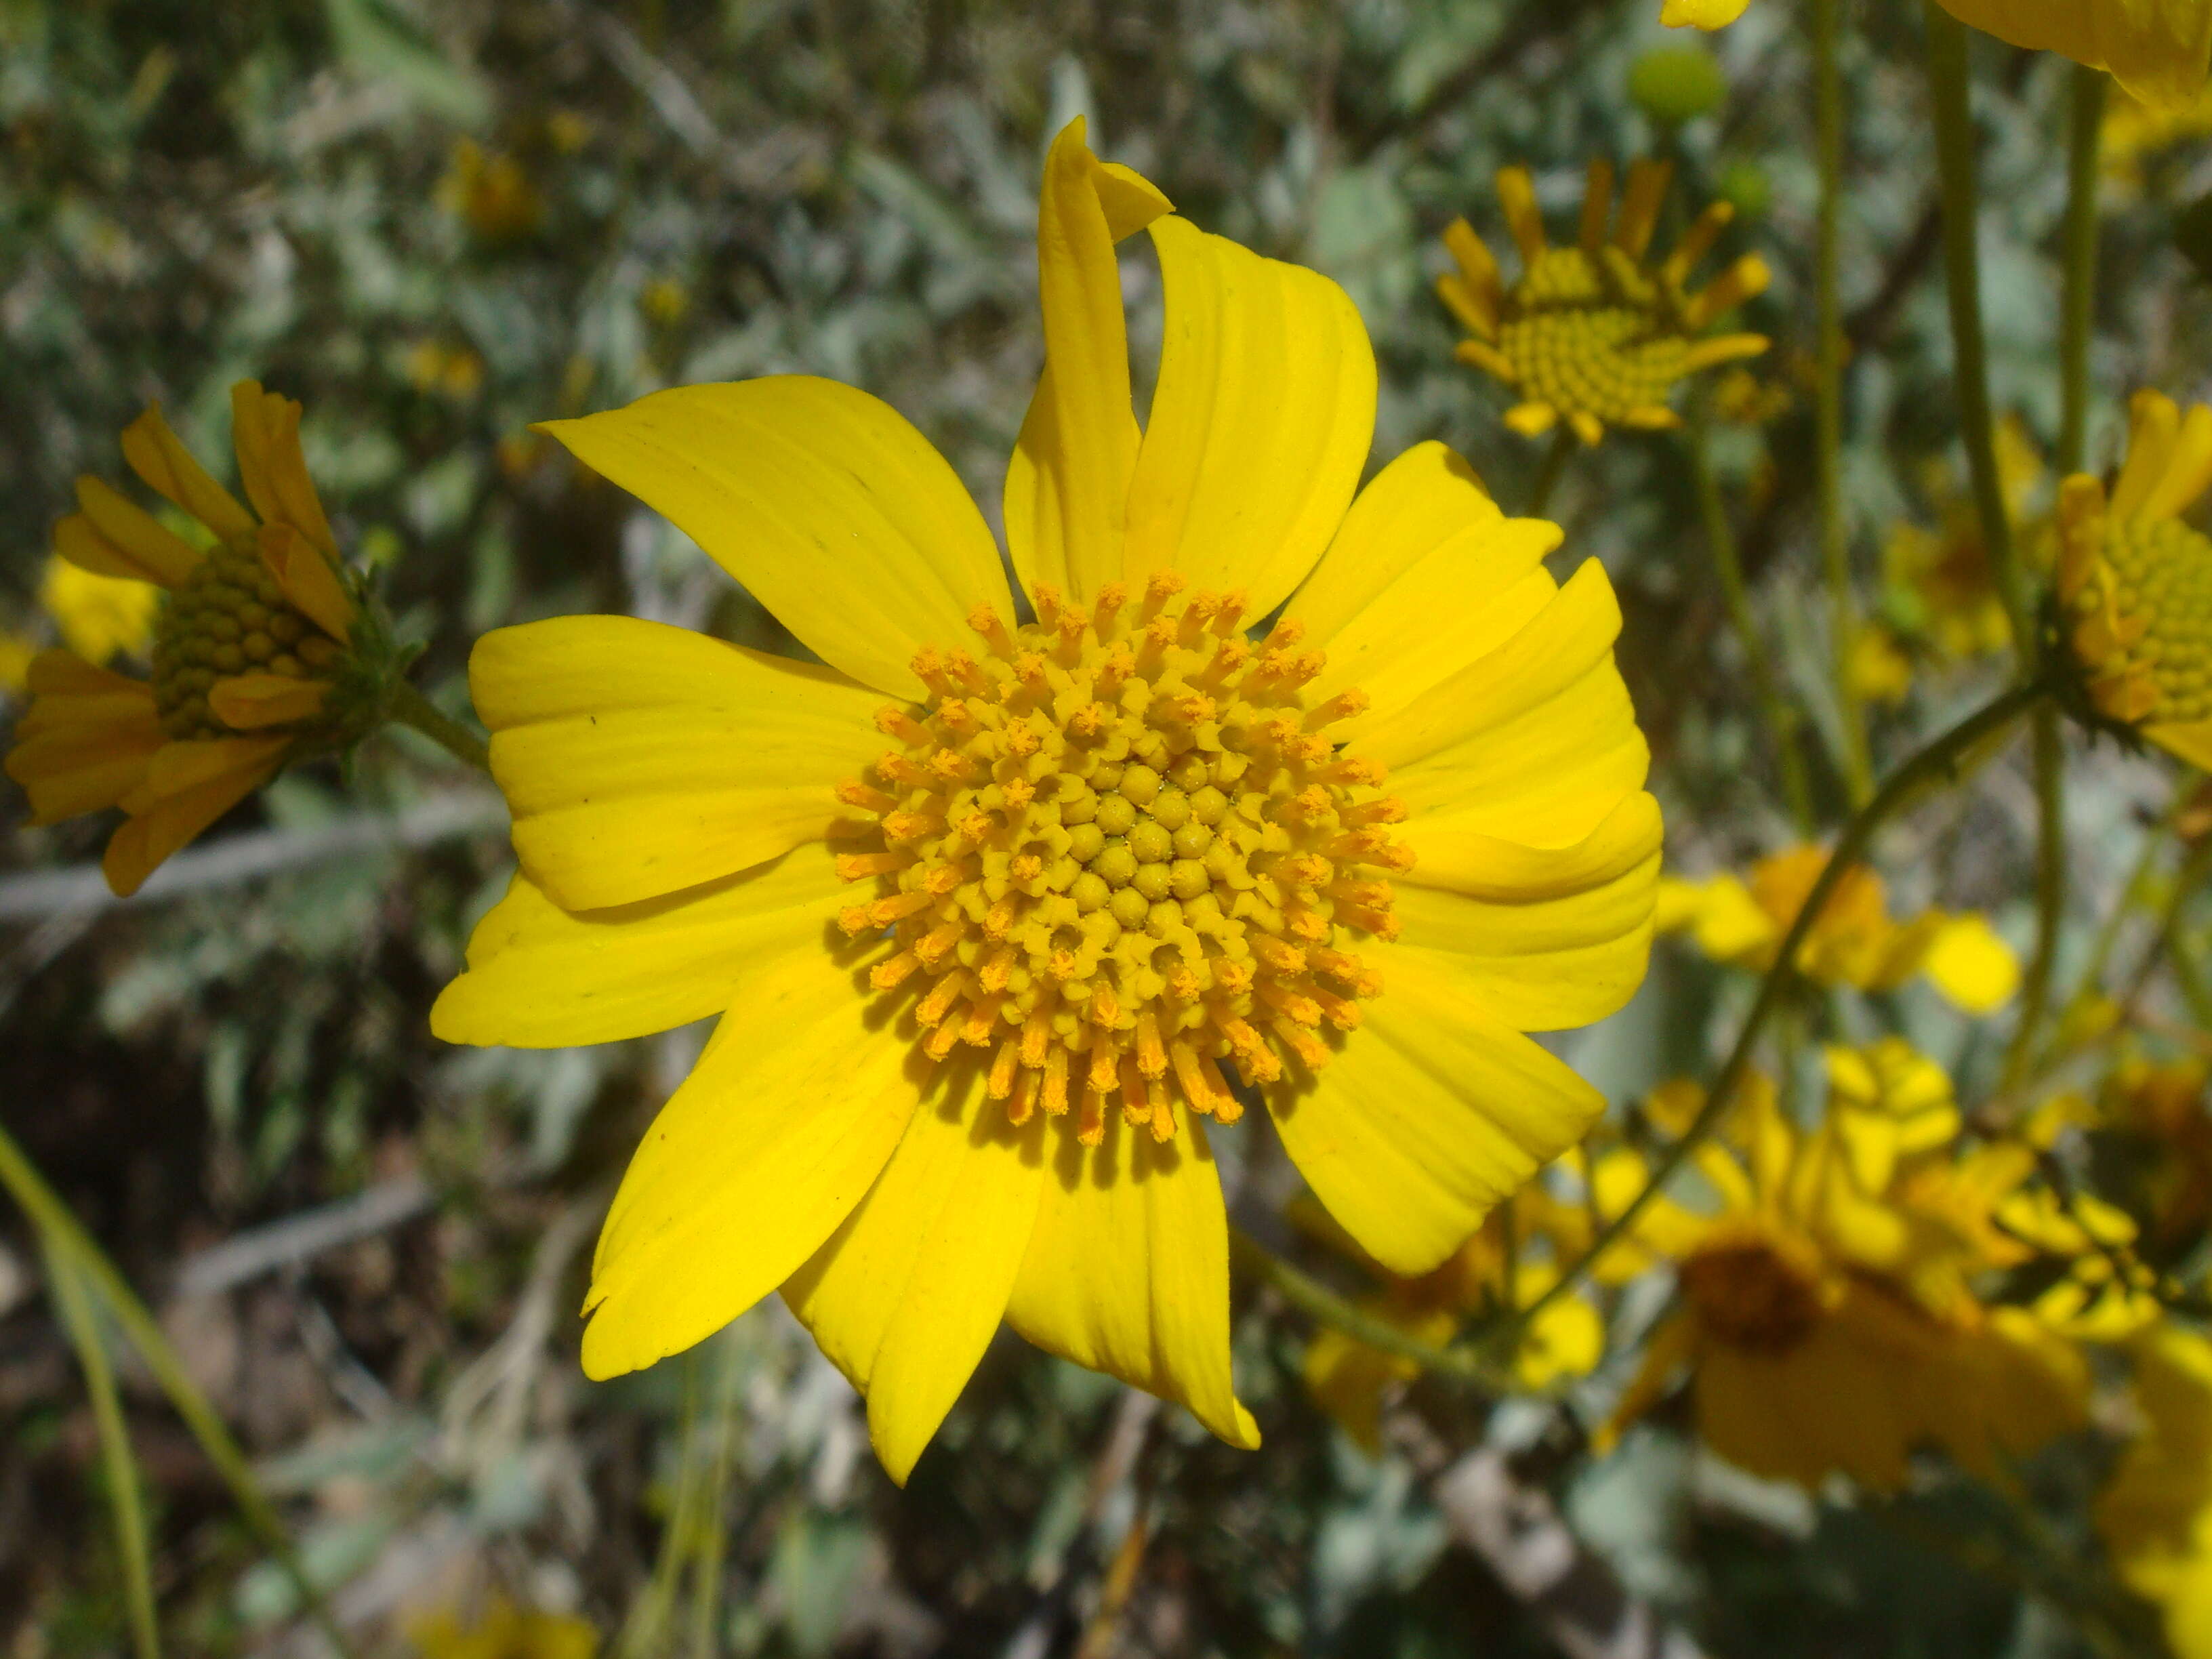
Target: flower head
[[1827, 1321], [1090, 880], [255, 653], [1596, 333], [2135, 583], [1855, 941]]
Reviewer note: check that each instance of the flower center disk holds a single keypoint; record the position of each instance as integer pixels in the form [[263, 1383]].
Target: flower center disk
[[228, 616], [2161, 572], [1593, 334], [1119, 849]]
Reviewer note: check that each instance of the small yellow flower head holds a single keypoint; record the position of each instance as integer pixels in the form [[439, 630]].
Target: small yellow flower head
[[1596, 334], [2135, 583], [259, 648], [504, 1631], [490, 191], [100, 617]]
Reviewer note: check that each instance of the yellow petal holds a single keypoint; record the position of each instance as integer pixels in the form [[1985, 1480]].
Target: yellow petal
[[158, 456], [1428, 1114], [201, 794], [115, 537], [2188, 469], [1422, 540], [1532, 420], [542, 977], [1068, 483], [1701, 14], [823, 501], [247, 702], [87, 739], [309, 578], [1538, 964], [2190, 740], [1261, 424], [1516, 196], [1574, 631], [1971, 965], [2156, 49], [2154, 424], [907, 1293], [1128, 1270], [1640, 202], [265, 431], [771, 1141], [1504, 870], [640, 758]]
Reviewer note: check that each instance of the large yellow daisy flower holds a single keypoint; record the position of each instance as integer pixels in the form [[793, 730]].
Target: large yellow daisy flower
[[2157, 50], [250, 640], [992, 910]]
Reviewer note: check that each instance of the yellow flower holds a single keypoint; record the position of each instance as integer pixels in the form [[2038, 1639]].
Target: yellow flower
[[1939, 585], [1817, 1332], [2157, 50], [250, 644], [100, 617], [17, 652], [1855, 941], [1879, 670], [1595, 333], [1092, 859], [1742, 399], [504, 1631], [2135, 583], [489, 192], [2156, 1516]]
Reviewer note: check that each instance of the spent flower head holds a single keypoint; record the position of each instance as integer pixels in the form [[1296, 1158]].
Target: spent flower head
[[262, 650], [1596, 332]]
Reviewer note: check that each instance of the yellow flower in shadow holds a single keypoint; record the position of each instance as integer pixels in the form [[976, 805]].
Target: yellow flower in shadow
[[2135, 583], [1596, 333], [100, 617], [2134, 132], [1854, 942], [1827, 1323], [2157, 50], [2156, 1514], [251, 644]]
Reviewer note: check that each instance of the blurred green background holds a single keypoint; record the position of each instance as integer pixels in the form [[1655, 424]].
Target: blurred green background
[[434, 224]]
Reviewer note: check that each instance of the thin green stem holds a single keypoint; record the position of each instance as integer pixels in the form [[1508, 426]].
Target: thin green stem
[[1936, 763], [1828, 400], [2049, 894], [1955, 162], [2077, 312], [119, 1469], [1301, 1290], [411, 709], [1547, 476], [61, 1230], [1780, 718]]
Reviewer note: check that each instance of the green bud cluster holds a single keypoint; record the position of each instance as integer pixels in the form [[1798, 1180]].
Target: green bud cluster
[[229, 617]]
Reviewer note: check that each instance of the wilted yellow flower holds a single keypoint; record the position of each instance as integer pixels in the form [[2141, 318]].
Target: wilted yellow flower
[[1595, 333], [2156, 1516], [251, 645], [2135, 583], [1854, 942], [2157, 50], [1825, 1327], [1349, 1378], [489, 192], [504, 1631], [1078, 866], [100, 617]]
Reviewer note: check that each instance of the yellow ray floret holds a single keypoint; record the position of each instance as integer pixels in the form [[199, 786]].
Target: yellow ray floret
[[2156, 49], [1595, 333], [252, 635], [1005, 902], [2135, 583]]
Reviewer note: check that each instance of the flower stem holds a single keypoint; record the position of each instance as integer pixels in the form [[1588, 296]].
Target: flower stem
[[411, 709], [1548, 475], [1936, 763], [63, 1237], [1955, 162], [1828, 400], [1303, 1291], [1780, 718]]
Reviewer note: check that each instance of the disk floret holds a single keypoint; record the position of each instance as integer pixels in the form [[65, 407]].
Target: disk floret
[[2142, 619], [1118, 850], [228, 618]]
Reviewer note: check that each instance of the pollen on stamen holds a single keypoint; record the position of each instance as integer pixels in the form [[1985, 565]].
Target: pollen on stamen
[[1118, 858]]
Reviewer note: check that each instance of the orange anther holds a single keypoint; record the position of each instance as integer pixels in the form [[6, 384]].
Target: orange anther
[[1389, 810], [1048, 601], [854, 921], [1091, 1120], [1343, 1013], [953, 766], [999, 968], [1111, 597], [1231, 616], [1002, 916], [911, 826], [933, 946], [1279, 954], [1152, 1053], [858, 866], [894, 721], [1001, 1082], [1037, 1034], [939, 1042], [1380, 923], [1309, 1049], [1105, 1074], [888, 976], [898, 769], [1055, 1080], [982, 1020], [958, 717], [1105, 1006], [1235, 978], [1303, 1010], [1018, 792], [1341, 706], [985, 620], [860, 794], [885, 911], [1024, 1100], [928, 665], [1026, 866], [1162, 586]]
